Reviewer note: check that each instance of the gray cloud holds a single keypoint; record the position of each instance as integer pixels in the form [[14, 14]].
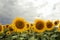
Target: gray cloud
[[10, 9]]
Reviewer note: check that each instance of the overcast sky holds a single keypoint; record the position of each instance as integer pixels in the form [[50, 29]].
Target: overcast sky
[[29, 9]]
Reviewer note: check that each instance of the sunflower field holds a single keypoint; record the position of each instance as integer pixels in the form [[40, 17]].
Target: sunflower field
[[20, 29]]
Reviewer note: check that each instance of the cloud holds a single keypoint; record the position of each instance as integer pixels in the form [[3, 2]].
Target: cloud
[[29, 9]]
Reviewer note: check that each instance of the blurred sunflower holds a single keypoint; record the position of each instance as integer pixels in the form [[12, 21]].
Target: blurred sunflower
[[56, 22], [28, 26], [8, 33], [7, 26], [1, 29], [58, 27], [49, 25], [19, 24], [11, 29], [31, 26], [39, 26]]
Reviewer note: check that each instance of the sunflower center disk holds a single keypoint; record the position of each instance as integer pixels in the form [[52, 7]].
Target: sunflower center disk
[[49, 24], [19, 24], [10, 29], [56, 22], [7, 26], [39, 25]]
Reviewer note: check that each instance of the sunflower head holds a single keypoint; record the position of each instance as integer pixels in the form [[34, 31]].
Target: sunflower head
[[56, 22], [11, 28], [39, 25], [49, 25], [19, 24], [7, 26], [8, 33], [28, 26], [31, 27], [58, 27], [31, 24], [1, 29]]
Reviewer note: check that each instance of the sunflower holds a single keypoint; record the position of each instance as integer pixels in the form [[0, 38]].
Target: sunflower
[[31, 24], [8, 33], [28, 26], [49, 25], [7, 26], [19, 24], [1, 29], [11, 29], [39, 26], [56, 22], [58, 27]]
